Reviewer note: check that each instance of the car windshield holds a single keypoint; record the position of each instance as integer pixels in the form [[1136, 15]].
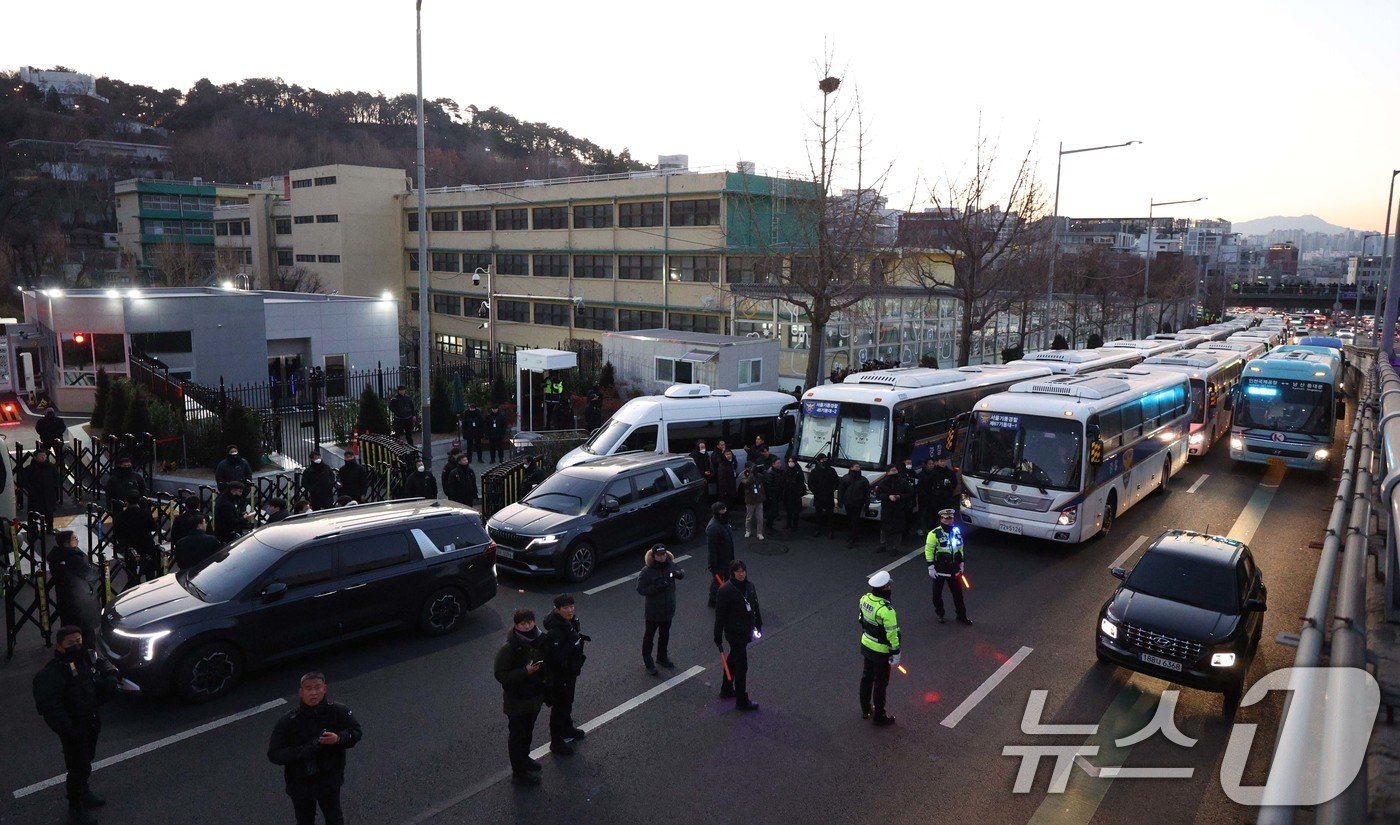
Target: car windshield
[[1207, 585], [563, 493], [1285, 406], [850, 433], [1198, 401], [1025, 449], [235, 567], [603, 441]]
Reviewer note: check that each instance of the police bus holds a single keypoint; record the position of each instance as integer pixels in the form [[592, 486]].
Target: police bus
[[1078, 361], [878, 418], [1285, 408], [1060, 458], [1213, 375], [1246, 349], [1148, 347]]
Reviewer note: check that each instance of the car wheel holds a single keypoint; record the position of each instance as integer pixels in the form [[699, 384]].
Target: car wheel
[[1231, 699], [208, 672], [1108, 516], [580, 561], [442, 611], [685, 526]]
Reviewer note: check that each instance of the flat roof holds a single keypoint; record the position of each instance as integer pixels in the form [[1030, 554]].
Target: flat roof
[[677, 337], [268, 295]]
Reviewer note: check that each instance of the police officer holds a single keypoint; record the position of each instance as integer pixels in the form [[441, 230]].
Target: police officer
[[401, 408], [68, 692], [879, 646], [563, 660], [318, 482], [943, 552], [472, 426], [739, 622], [310, 743]]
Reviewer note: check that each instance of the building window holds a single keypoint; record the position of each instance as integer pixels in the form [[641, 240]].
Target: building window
[[304, 183], [695, 268], [161, 343], [593, 266], [221, 228], [413, 262], [327, 219], [552, 266], [446, 262], [476, 220], [447, 304], [512, 264], [593, 216], [555, 315], [161, 203], [695, 213], [412, 221], [196, 203], [639, 267], [442, 221], [750, 372], [200, 228], [693, 322], [644, 213], [472, 307], [472, 261], [302, 219], [282, 226], [512, 219], [328, 180], [306, 259], [739, 269], [451, 344], [328, 259], [513, 311], [413, 300], [629, 319], [551, 217], [602, 318], [674, 371], [284, 257]]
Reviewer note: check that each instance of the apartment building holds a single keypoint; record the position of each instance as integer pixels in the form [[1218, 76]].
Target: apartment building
[[164, 218]]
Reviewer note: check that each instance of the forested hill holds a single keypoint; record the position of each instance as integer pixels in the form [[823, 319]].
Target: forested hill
[[264, 126]]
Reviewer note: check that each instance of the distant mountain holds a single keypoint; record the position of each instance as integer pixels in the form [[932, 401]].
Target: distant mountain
[[1307, 223]]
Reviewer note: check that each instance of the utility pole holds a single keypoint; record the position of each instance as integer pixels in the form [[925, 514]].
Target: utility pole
[[424, 383]]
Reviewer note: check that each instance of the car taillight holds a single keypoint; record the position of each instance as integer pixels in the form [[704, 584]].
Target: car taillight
[[491, 552]]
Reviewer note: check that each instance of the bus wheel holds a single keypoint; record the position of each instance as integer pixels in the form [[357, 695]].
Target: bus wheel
[[1108, 514], [1166, 474]]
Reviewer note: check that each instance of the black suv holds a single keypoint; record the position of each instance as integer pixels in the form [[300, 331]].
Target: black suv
[[304, 582], [596, 509], [1190, 612]]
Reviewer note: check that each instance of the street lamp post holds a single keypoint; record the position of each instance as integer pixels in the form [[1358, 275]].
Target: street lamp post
[[424, 384], [1055, 236], [1385, 247], [1147, 269], [1360, 262]]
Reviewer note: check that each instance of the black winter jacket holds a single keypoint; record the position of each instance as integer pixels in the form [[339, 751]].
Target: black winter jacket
[[891, 511], [233, 468], [354, 481], [229, 520], [563, 650], [133, 527], [855, 492], [524, 692], [658, 583], [725, 476], [305, 760], [195, 548], [721, 540], [122, 483], [51, 428], [79, 586], [68, 692], [421, 485], [461, 485], [736, 612], [822, 481], [318, 481], [43, 488], [184, 525], [401, 407]]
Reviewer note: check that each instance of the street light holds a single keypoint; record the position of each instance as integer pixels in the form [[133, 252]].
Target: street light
[[424, 385], [1055, 235], [1385, 246], [1147, 270]]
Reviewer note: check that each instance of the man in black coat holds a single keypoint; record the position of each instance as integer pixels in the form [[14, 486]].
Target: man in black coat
[[563, 661], [701, 456], [720, 538], [520, 670], [51, 430], [403, 412], [657, 582], [310, 743], [822, 481], [496, 430], [185, 520], [194, 548], [420, 483], [531, 476], [233, 468], [122, 483], [276, 510], [461, 482], [230, 516], [593, 413], [855, 495], [135, 532], [354, 478], [725, 473], [739, 622], [938, 490], [894, 494], [318, 482], [42, 486], [68, 692], [473, 427], [775, 488], [78, 585]]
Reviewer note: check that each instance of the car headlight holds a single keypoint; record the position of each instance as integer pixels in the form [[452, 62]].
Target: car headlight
[[147, 641], [1198, 438], [1322, 454], [552, 538], [967, 500], [1108, 628], [1068, 515], [1237, 443], [1222, 660]]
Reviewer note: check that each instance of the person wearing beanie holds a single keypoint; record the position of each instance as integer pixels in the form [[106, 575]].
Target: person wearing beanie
[[563, 660], [879, 647], [520, 670]]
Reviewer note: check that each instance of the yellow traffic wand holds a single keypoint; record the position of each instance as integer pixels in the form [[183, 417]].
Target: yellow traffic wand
[[967, 585], [724, 660]]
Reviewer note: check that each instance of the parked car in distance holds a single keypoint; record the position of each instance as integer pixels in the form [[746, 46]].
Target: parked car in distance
[[302, 583], [1190, 612], [586, 513]]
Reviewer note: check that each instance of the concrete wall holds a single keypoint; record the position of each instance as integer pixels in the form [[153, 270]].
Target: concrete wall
[[227, 331], [366, 332]]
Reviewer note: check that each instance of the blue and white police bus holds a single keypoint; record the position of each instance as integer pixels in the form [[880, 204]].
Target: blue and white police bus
[[1079, 361], [878, 418], [1286, 407], [1060, 458], [1213, 375]]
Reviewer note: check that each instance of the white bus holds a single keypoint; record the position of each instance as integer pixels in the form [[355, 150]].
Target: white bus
[[1147, 347], [1265, 337], [878, 418], [1059, 459], [1247, 349], [1213, 375], [1078, 361]]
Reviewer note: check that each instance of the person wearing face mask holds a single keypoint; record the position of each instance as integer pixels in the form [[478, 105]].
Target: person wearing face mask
[[122, 483], [794, 488], [68, 693], [354, 478], [520, 670], [230, 518], [530, 475], [564, 660], [461, 482], [78, 585], [420, 483], [911, 501], [701, 456], [725, 473], [822, 480], [134, 531], [739, 622], [318, 483], [232, 469]]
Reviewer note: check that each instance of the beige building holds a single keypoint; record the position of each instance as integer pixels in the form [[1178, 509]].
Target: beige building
[[163, 218]]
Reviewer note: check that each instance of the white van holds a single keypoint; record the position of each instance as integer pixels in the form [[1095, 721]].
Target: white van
[[685, 413]]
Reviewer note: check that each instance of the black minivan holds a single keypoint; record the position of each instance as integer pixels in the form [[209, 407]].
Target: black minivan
[[305, 582], [596, 509]]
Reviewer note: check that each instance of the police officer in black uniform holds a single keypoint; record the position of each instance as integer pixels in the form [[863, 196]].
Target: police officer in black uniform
[[68, 692], [739, 622], [401, 408], [310, 744]]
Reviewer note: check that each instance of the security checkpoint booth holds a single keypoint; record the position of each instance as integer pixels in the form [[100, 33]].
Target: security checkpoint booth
[[531, 368]]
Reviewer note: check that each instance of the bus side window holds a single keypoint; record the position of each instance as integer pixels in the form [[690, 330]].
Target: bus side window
[[754, 427], [682, 435], [1132, 420]]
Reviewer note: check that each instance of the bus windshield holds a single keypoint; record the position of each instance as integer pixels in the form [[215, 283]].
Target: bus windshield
[[1198, 401], [1025, 449], [1285, 405], [849, 433]]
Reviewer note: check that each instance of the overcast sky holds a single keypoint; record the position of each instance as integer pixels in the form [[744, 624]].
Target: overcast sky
[[1284, 107]]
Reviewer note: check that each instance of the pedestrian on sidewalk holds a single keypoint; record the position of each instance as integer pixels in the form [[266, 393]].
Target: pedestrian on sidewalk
[[520, 670], [310, 744], [68, 693], [78, 585], [657, 582], [318, 483], [563, 662], [739, 622], [720, 538]]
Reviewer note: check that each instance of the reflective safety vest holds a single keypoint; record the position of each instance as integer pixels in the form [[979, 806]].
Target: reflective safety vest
[[554, 387], [878, 624], [943, 550]]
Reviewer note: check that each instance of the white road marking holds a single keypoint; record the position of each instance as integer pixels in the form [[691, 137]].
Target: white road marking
[[600, 588], [159, 743], [630, 704], [1202, 480], [1249, 520], [1127, 554], [987, 687], [901, 560]]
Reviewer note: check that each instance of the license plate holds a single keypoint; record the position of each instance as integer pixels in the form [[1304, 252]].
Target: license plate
[[504, 553], [1009, 527], [1160, 662]]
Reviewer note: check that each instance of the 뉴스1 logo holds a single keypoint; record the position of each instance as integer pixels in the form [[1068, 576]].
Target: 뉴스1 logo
[[1279, 437]]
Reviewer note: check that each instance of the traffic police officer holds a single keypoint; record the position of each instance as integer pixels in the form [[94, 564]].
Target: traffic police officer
[[943, 553], [879, 646]]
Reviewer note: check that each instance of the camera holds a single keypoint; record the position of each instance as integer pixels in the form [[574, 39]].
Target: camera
[[677, 574]]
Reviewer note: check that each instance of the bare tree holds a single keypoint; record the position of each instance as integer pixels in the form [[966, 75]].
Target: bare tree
[[296, 279], [179, 264]]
